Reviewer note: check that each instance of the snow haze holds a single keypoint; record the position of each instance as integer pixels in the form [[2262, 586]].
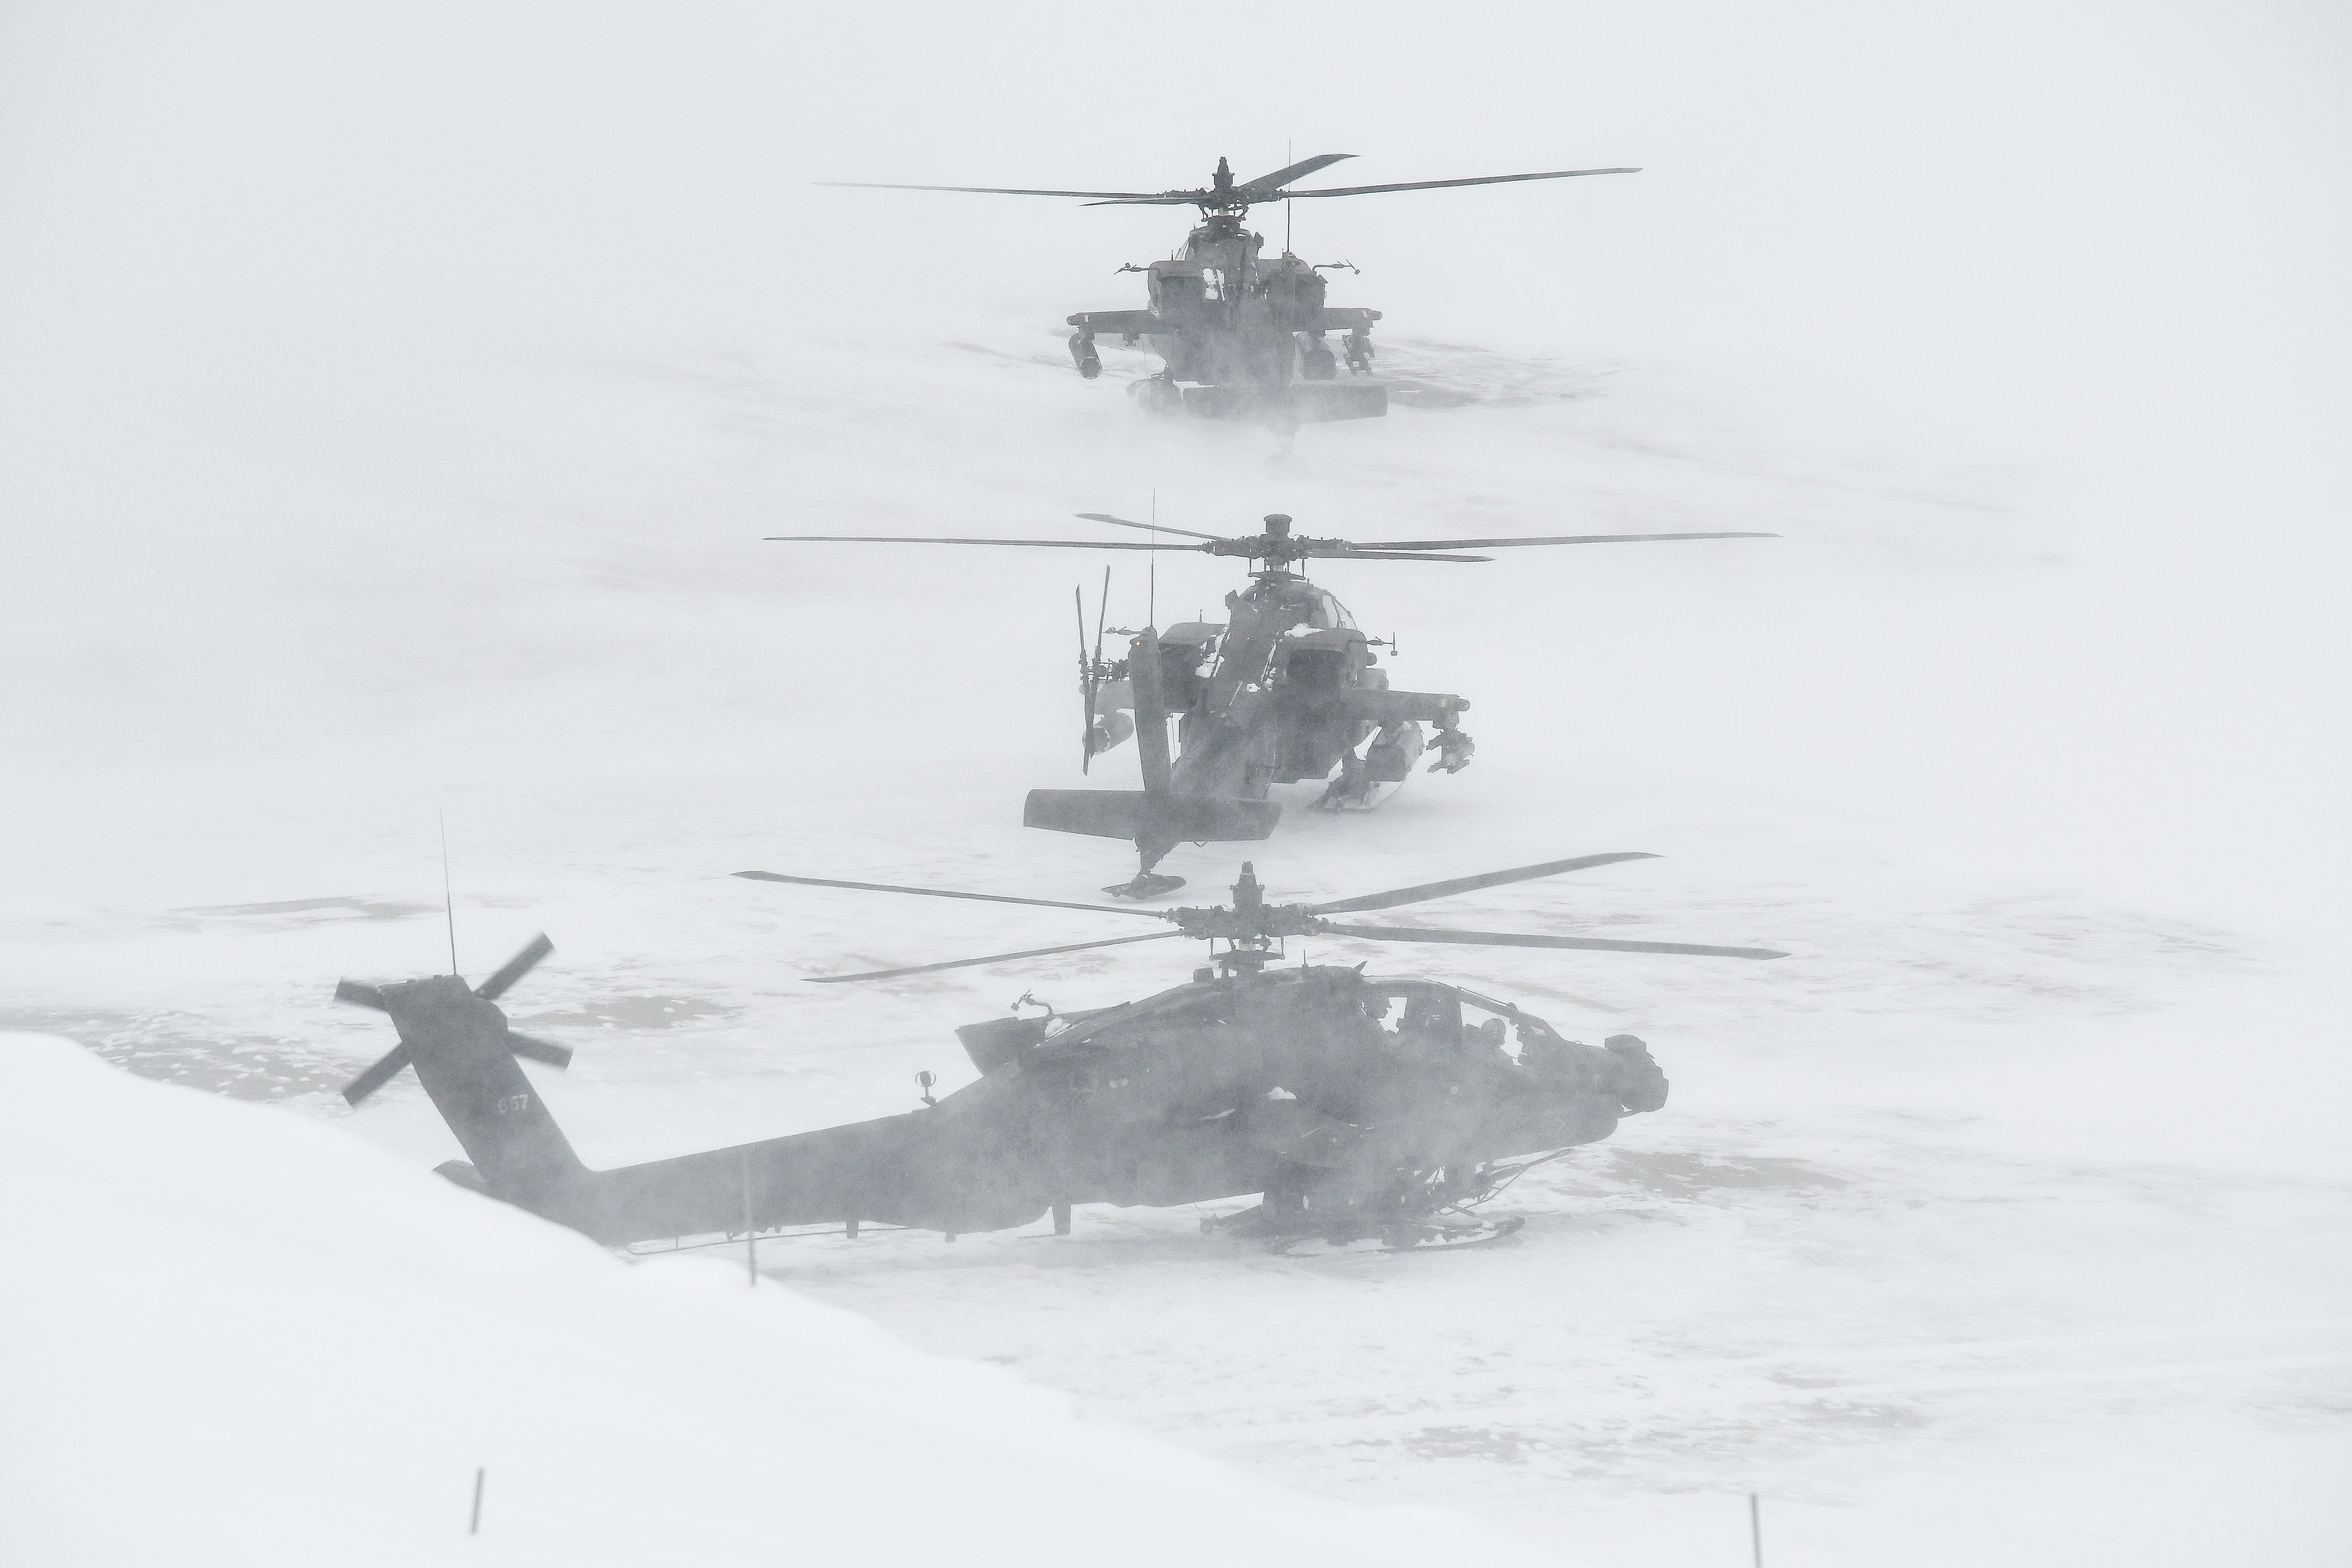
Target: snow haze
[[392, 403]]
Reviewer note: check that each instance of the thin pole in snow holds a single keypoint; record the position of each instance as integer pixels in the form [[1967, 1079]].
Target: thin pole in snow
[[1755, 1530], [475, 1528], [751, 1236]]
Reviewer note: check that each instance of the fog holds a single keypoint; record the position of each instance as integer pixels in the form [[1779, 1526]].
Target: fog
[[392, 401]]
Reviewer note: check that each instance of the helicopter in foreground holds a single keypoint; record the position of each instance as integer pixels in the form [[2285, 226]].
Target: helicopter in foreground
[[1286, 689], [1240, 337], [1356, 1107]]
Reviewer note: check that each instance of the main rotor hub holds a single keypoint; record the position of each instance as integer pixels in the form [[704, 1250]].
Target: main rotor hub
[[1251, 922]]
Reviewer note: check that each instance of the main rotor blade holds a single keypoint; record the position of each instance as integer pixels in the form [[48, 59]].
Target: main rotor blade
[[1514, 938], [1297, 171], [950, 893], [1355, 554], [992, 958], [1551, 539], [985, 190], [1426, 891], [1440, 184], [515, 968], [1154, 527], [1030, 544], [554, 1054], [376, 1076]]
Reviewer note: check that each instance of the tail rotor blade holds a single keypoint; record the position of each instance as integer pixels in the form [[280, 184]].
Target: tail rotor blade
[[1102, 614], [376, 1076], [359, 996], [1514, 939], [1390, 901], [1086, 685], [515, 968], [539, 1050], [1092, 664]]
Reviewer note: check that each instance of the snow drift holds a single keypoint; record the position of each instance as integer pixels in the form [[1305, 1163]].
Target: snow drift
[[256, 1340]]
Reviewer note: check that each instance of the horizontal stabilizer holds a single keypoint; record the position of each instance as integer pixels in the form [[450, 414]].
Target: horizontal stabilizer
[[1132, 814]]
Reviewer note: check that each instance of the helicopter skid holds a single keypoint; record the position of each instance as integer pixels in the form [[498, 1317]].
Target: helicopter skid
[[1431, 1236]]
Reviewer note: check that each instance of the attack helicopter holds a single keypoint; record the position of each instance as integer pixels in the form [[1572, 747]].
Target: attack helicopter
[[1358, 1107], [1285, 690], [1240, 337]]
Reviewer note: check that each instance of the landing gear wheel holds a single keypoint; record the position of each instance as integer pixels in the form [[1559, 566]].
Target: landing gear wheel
[[1358, 794], [1156, 394], [1355, 789]]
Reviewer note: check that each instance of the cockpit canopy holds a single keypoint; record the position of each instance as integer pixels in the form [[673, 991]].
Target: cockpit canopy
[[1296, 603]]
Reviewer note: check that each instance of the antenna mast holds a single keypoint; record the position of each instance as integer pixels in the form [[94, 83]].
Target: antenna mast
[[1289, 151], [449, 904]]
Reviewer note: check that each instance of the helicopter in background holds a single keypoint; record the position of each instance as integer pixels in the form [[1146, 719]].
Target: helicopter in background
[[1359, 1108], [1286, 689], [1239, 336]]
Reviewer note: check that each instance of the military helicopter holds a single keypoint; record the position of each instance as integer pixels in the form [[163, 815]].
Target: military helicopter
[[1285, 690], [1239, 336], [1359, 1107]]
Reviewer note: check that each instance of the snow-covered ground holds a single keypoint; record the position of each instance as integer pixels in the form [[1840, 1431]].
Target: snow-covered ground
[[255, 1340], [395, 409]]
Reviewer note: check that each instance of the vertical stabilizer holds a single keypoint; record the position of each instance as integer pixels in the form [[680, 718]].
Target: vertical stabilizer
[[1143, 674], [462, 1050]]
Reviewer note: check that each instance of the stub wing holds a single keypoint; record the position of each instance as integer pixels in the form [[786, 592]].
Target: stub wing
[[1123, 323], [1392, 707]]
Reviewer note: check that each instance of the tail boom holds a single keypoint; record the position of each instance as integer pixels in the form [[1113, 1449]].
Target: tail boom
[[912, 1170]]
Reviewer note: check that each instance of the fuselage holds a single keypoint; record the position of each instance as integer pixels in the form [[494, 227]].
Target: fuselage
[[1315, 1077], [1222, 315]]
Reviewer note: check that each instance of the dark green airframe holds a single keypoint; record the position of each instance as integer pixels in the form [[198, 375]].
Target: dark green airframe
[[1285, 689], [1239, 336], [1358, 1107]]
